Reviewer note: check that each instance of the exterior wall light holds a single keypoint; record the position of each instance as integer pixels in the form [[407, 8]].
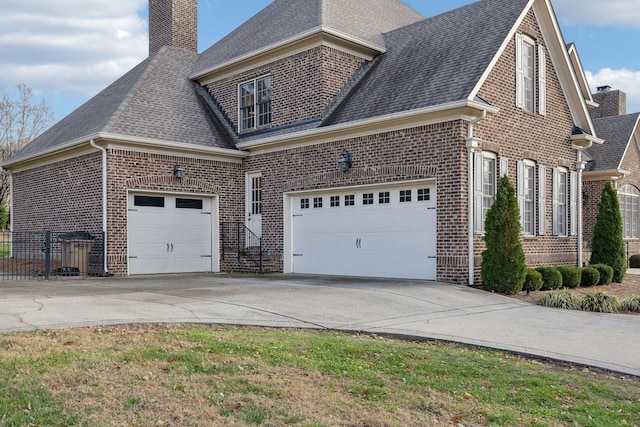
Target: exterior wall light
[[345, 162], [178, 172]]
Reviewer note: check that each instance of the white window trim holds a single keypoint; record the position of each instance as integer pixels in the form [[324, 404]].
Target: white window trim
[[625, 193], [539, 95], [521, 195], [478, 187], [557, 202], [255, 103]]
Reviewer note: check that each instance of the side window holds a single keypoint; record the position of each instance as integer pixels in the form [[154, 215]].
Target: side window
[[531, 91], [560, 201], [254, 103], [526, 183], [629, 199], [484, 187]]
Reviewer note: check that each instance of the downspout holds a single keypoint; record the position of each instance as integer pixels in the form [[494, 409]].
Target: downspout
[[104, 202], [579, 167], [472, 144]]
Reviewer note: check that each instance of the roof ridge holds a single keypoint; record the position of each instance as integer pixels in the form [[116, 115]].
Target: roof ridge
[[125, 101]]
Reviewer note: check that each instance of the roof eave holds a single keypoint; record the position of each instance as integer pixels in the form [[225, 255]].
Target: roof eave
[[583, 141], [318, 36], [597, 175], [466, 109]]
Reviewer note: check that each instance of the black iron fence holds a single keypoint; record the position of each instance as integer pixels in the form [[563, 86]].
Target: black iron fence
[[240, 242], [48, 254]]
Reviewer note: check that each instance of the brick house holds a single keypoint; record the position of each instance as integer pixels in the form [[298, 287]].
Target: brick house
[[353, 138], [617, 161]]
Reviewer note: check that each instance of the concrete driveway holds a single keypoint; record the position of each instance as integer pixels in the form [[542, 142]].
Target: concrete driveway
[[418, 309]]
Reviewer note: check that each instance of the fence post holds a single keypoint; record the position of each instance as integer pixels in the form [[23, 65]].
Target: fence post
[[47, 255]]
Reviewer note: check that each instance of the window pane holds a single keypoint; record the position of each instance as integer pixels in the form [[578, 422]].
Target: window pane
[[384, 198], [528, 67], [149, 201], [188, 203], [488, 185], [247, 106]]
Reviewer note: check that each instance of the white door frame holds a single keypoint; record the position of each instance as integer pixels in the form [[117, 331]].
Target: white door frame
[[253, 220], [215, 221]]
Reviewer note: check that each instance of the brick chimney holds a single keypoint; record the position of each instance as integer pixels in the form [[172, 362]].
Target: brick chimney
[[612, 103], [173, 23]]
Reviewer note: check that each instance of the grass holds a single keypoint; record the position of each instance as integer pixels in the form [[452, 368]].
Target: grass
[[196, 375]]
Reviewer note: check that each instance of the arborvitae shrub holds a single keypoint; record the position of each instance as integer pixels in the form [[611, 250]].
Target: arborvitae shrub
[[590, 277], [532, 281], [606, 273], [634, 261], [551, 278], [560, 298], [503, 267], [608, 244], [571, 276], [599, 301]]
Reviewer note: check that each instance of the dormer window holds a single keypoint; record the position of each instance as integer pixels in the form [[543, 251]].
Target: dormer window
[[531, 75], [255, 103]]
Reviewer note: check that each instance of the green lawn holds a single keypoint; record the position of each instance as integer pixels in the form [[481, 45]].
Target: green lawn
[[187, 375]]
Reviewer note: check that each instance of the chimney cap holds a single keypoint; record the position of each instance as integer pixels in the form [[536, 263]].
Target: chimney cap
[[605, 88]]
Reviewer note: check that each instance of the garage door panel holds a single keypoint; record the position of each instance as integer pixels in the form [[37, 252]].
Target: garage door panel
[[169, 239], [396, 238]]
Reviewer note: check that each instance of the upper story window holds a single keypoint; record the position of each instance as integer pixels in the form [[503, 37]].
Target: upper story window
[[629, 199], [255, 103], [531, 75], [484, 186]]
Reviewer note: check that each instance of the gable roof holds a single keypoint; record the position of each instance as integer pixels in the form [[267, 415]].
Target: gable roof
[[285, 20], [617, 131], [433, 62], [155, 100]]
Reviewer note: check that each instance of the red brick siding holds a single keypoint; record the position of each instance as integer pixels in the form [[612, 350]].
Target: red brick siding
[[517, 134], [63, 196], [129, 170], [302, 85], [173, 23]]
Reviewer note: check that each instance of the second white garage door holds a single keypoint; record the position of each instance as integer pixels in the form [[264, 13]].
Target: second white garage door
[[170, 234], [371, 232]]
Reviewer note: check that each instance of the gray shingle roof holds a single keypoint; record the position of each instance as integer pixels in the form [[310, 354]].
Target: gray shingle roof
[[366, 20], [616, 132], [434, 61], [154, 100]]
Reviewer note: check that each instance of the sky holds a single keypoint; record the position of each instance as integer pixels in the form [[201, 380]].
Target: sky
[[69, 50]]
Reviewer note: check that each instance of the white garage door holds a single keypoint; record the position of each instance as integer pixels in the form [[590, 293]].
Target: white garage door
[[170, 234], [372, 232]]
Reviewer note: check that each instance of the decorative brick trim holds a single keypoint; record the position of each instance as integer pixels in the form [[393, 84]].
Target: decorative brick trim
[[192, 183], [391, 173]]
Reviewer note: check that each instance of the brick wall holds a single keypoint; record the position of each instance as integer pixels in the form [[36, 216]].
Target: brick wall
[[173, 23], [612, 103], [517, 134], [63, 196], [302, 85], [129, 170]]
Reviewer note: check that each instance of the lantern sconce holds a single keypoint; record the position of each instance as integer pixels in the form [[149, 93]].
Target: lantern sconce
[[178, 172], [345, 162]]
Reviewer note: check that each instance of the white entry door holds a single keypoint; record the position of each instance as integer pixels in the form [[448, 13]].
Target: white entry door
[[170, 234], [254, 204], [371, 232]]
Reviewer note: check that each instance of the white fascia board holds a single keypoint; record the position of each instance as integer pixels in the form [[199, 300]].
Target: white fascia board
[[57, 149], [584, 84], [300, 40], [369, 126], [174, 146], [584, 140], [605, 174], [562, 63]]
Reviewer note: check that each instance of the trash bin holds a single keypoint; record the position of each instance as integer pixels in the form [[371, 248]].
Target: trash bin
[[76, 252]]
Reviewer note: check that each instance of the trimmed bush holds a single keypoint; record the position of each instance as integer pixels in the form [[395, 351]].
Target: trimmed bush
[[599, 301], [551, 278], [532, 281], [571, 276], [631, 304], [634, 261], [590, 277], [560, 298], [503, 268], [607, 246], [606, 273]]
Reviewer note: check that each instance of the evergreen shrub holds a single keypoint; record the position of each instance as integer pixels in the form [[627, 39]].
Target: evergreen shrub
[[607, 246], [551, 278], [532, 281], [590, 277], [606, 273], [571, 276]]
